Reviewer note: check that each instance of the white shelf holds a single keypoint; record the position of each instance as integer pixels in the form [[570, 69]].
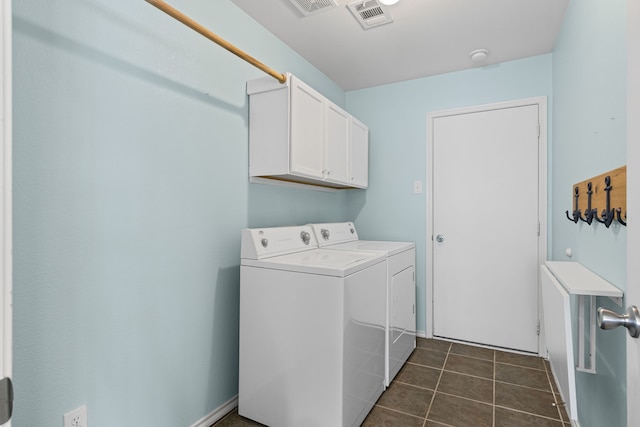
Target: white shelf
[[579, 280]]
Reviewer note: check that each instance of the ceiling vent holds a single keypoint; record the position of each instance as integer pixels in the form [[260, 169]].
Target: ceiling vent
[[369, 13], [311, 7]]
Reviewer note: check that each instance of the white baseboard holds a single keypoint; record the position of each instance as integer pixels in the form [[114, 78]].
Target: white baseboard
[[218, 413]]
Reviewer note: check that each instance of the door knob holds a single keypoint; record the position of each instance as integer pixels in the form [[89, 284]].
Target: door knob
[[608, 319], [439, 238]]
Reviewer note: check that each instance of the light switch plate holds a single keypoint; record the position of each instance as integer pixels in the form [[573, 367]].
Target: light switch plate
[[417, 187]]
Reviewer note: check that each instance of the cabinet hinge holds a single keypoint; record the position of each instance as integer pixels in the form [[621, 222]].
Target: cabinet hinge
[[538, 132], [538, 328], [538, 228]]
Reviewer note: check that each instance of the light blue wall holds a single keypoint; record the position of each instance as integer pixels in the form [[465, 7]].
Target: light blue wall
[[397, 118], [130, 162], [589, 79]]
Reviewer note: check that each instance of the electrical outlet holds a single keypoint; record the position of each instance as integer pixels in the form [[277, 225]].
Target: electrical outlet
[[76, 418]]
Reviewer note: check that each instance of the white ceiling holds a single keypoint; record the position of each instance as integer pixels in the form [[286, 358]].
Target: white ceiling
[[426, 37]]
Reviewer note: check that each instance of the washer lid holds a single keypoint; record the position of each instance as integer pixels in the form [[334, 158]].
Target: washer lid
[[326, 262], [388, 248]]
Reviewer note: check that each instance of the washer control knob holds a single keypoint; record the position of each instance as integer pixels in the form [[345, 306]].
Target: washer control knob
[[264, 242], [325, 233], [306, 237]]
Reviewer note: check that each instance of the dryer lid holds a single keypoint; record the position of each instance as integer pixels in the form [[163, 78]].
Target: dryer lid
[[387, 247]]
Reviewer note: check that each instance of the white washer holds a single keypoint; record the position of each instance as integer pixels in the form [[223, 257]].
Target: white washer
[[401, 290], [312, 330]]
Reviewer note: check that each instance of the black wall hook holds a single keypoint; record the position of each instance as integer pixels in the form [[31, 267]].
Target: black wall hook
[[576, 212], [607, 214], [619, 216], [590, 213]]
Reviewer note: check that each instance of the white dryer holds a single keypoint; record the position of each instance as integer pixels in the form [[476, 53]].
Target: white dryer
[[401, 291], [312, 330]]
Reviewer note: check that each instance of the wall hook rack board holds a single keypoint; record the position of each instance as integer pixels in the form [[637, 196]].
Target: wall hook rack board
[[602, 197]]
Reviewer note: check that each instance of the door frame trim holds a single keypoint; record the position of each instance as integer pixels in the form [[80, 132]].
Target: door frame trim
[[632, 291], [6, 218], [541, 102]]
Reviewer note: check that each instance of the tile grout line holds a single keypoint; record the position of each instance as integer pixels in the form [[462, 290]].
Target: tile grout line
[[467, 375], [494, 359], [493, 407], [457, 396], [533, 414], [521, 366], [555, 397], [426, 416], [472, 357], [389, 408], [526, 386]]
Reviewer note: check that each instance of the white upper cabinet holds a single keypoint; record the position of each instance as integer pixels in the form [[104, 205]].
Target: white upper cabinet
[[336, 164], [296, 134], [359, 154], [307, 131]]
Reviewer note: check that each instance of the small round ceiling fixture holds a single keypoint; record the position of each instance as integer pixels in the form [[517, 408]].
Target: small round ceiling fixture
[[479, 55], [388, 2]]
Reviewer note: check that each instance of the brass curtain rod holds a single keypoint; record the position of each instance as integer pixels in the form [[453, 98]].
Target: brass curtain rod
[[171, 11]]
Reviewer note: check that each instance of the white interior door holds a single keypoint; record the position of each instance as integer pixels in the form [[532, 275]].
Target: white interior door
[[633, 204], [5, 203], [486, 224]]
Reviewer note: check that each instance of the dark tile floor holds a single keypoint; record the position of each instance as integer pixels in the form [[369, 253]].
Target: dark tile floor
[[456, 385]]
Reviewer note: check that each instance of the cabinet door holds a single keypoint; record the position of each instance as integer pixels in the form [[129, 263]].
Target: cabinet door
[[359, 158], [307, 131], [337, 144]]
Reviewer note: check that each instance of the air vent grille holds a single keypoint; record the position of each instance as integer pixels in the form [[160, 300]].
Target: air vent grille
[[310, 7], [369, 13]]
